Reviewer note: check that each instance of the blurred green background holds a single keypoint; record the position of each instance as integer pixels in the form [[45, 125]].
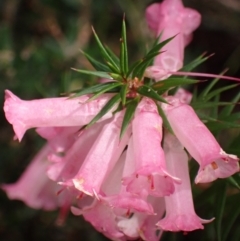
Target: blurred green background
[[40, 42]]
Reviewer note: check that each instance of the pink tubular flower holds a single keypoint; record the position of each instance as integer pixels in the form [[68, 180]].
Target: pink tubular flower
[[199, 141], [143, 225], [102, 157], [117, 197], [51, 111], [180, 214], [102, 218], [183, 95], [171, 19], [34, 187], [71, 162], [59, 138], [150, 173]]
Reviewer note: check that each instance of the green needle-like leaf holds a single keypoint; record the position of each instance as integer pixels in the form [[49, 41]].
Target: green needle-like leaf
[[130, 110], [214, 110], [124, 52], [94, 73], [199, 60], [123, 93], [96, 64], [172, 82], [160, 45], [105, 53], [164, 118], [233, 214], [209, 104], [116, 77], [226, 111], [107, 88], [216, 124], [132, 67], [220, 200], [233, 182], [113, 101], [139, 67], [150, 92], [219, 91], [205, 92], [93, 89], [113, 55]]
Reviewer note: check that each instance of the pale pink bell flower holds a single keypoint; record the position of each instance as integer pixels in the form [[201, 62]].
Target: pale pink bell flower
[[180, 214], [123, 202], [142, 225], [150, 167], [34, 187], [171, 18], [199, 142], [69, 164], [102, 156], [52, 112]]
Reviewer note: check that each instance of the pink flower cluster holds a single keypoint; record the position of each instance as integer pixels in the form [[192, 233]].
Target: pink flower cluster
[[123, 187]]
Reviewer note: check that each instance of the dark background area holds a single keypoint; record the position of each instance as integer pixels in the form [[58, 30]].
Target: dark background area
[[39, 43]]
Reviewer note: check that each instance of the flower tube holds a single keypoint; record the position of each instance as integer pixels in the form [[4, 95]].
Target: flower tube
[[70, 164], [123, 202], [144, 225], [24, 115], [34, 187], [150, 173], [180, 214], [169, 19], [102, 157], [200, 143]]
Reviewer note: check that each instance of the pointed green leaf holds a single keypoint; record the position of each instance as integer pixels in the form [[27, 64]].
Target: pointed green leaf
[[209, 104], [109, 105], [204, 93], [199, 60], [123, 93], [149, 92], [219, 91], [92, 89], [221, 125], [130, 110], [172, 82], [233, 117], [94, 73], [107, 88], [220, 200], [139, 69], [124, 52], [113, 55], [105, 53], [214, 110], [157, 40], [132, 67], [217, 125], [234, 182], [116, 77], [195, 93], [96, 64], [226, 111], [164, 118], [233, 214], [160, 45], [112, 67]]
